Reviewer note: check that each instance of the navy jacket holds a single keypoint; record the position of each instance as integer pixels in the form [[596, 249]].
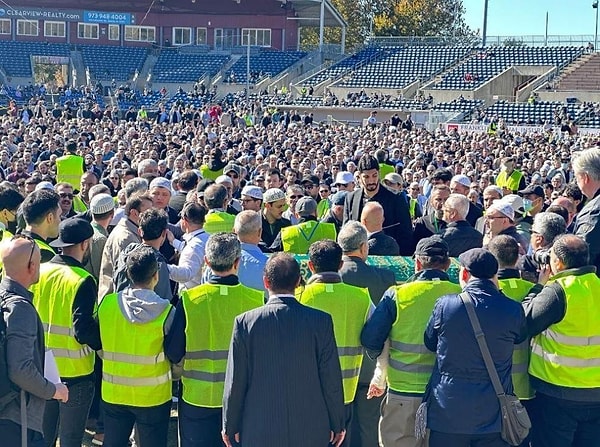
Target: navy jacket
[[461, 396]]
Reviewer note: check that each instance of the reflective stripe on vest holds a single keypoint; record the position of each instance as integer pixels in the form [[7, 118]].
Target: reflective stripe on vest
[[69, 169], [53, 297], [298, 238], [517, 289], [410, 361], [349, 307], [218, 222], [568, 352], [211, 306], [135, 371]]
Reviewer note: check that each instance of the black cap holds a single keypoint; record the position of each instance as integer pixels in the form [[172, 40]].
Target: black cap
[[432, 246], [232, 167], [311, 179], [479, 262], [532, 189], [73, 231]]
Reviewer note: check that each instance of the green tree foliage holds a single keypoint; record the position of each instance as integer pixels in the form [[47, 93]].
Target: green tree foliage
[[394, 18]]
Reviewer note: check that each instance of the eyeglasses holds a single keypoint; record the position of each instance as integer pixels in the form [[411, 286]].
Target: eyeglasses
[[28, 238], [296, 197], [66, 195], [309, 186], [324, 191], [233, 175], [495, 217]]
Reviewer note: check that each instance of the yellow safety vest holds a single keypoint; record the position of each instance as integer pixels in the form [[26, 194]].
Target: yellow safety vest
[[322, 208], [516, 289], [412, 208], [298, 238], [44, 247], [385, 169], [135, 371], [79, 205], [509, 182], [566, 353], [210, 311], [53, 297], [349, 308], [218, 222], [411, 363], [207, 173], [69, 169]]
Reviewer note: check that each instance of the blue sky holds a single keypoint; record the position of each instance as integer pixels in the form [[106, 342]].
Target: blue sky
[[528, 17]]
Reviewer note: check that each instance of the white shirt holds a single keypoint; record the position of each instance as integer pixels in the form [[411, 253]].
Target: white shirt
[[188, 272]]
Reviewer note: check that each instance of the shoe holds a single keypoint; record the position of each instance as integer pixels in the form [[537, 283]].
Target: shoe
[[98, 439]]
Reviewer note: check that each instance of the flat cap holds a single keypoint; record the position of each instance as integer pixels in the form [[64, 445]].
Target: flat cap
[[306, 206], [479, 262], [432, 246]]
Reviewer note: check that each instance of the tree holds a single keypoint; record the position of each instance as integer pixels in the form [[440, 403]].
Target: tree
[[422, 18]]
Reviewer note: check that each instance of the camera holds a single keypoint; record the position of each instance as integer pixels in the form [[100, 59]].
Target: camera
[[541, 257]]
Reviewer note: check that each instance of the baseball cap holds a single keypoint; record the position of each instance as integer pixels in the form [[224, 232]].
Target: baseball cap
[[273, 195], [102, 204], [533, 189], [44, 185], [252, 191], [306, 206], [311, 179], [338, 198], [343, 178], [516, 203], [73, 231], [503, 208], [232, 167], [479, 262], [394, 178], [432, 246]]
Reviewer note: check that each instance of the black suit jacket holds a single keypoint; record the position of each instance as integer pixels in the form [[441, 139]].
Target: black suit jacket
[[396, 224], [283, 385], [358, 273], [460, 237]]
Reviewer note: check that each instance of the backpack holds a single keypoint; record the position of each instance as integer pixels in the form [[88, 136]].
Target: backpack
[[8, 390]]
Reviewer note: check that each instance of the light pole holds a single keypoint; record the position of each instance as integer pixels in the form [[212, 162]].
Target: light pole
[[485, 14], [595, 6]]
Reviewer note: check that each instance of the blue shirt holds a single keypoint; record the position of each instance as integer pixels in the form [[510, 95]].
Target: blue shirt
[[252, 266]]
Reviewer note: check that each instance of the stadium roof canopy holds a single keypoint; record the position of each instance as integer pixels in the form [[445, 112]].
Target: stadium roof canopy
[[308, 13]]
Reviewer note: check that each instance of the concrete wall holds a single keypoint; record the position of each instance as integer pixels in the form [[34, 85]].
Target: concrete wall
[[583, 96]]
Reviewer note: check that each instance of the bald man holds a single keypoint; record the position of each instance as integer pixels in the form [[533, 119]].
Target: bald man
[[568, 204], [380, 244], [24, 344]]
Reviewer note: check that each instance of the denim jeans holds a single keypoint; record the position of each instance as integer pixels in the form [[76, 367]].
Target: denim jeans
[[66, 421], [152, 424], [567, 423], [10, 434]]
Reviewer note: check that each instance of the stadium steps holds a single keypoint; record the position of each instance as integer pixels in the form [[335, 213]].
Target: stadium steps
[[582, 77], [77, 61], [147, 68]]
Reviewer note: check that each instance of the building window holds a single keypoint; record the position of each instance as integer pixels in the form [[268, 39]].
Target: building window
[[87, 30], [258, 37], [27, 28], [54, 29], [201, 34], [5, 26], [182, 36], [140, 33], [113, 32]]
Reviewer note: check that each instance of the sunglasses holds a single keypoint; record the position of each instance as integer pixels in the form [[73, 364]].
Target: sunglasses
[[28, 238], [65, 195], [296, 197], [233, 175]]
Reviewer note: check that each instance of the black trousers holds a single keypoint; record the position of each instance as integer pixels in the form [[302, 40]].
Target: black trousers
[[200, 426], [152, 424]]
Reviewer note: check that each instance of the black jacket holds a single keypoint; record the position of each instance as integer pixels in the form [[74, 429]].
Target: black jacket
[[380, 244], [397, 223], [427, 226], [474, 213], [461, 236], [588, 228]]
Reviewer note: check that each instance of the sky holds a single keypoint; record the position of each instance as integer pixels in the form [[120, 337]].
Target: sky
[[528, 17]]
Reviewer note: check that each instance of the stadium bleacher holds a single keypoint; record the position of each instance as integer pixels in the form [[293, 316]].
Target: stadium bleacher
[[174, 66], [110, 62], [400, 66], [484, 64], [537, 113], [15, 57], [263, 64]]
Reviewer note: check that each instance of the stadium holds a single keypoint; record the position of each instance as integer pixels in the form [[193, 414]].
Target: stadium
[[238, 47]]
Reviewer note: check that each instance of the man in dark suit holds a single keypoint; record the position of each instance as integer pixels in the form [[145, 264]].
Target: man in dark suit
[[356, 272], [380, 244], [397, 223], [283, 385]]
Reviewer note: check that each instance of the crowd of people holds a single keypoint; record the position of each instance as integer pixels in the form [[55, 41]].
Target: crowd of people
[[236, 259]]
